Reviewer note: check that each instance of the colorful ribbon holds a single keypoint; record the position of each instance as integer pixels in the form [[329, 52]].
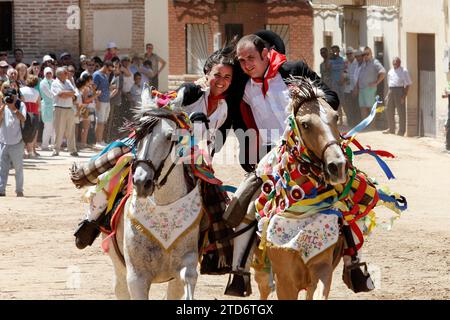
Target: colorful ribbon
[[365, 122]]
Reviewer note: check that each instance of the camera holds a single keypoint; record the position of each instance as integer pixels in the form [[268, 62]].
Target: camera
[[9, 95]]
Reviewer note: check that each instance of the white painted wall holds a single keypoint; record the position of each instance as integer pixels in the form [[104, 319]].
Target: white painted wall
[[325, 19], [112, 26], [382, 22], [420, 16], [157, 32]]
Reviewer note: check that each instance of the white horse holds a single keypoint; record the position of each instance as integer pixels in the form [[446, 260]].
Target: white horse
[[146, 259]]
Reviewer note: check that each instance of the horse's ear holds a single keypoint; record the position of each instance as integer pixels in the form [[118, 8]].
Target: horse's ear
[[177, 103], [148, 101]]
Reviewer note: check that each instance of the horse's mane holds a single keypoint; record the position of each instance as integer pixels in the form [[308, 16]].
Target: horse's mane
[[302, 90], [145, 120]]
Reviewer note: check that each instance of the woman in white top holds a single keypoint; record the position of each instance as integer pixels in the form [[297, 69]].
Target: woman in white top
[[209, 94], [32, 100]]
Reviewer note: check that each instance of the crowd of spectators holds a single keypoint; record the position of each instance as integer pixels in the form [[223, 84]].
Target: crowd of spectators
[[67, 102]]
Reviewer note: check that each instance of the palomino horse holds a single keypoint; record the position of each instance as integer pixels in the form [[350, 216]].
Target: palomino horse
[[160, 180], [317, 123]]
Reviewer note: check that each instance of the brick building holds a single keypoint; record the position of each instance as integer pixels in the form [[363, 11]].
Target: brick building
[[75, 26], [184, 32], [37, 27], [197, 28], [121, 21]]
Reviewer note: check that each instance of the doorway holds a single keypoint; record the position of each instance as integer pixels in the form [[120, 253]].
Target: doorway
[[6, 26], [427, 84]]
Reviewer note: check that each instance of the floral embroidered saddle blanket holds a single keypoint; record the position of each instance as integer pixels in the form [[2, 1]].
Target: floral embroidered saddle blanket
[[309, 235], [166, 224]]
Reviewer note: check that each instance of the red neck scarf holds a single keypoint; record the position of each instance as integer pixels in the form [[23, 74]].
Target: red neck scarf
[[212, 100], [276, 59]]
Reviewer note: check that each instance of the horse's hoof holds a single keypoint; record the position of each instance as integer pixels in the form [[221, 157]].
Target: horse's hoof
[[240, 286], [86, 234]]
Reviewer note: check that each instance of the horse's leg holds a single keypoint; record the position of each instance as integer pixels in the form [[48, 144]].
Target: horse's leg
[[175, 289], [263, 279], [120, 274], [120, 280], [311, 290], [137, 258], [189, 275], [286, 287], [321, 276], [138, 285], [120, 271]]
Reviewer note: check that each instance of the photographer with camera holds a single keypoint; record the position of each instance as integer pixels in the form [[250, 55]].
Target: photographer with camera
[[12, 115]]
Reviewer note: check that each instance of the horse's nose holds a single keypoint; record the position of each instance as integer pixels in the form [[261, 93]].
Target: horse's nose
[[336, 170], [333, 169], [142, 182]]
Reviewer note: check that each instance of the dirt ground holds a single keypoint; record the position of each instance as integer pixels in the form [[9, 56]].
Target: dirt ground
[[39, 260]]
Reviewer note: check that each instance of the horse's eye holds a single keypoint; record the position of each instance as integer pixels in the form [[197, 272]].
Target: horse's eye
[[336, 117], [305, 125], [169, 135]]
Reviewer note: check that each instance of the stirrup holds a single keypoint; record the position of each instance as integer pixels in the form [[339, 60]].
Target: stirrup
[[240, 285], [86, 233], [356, 279]]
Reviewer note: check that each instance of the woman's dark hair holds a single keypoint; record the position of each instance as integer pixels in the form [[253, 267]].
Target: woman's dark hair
[[97, 59], [222, 56], [79, 83], [86, 77]]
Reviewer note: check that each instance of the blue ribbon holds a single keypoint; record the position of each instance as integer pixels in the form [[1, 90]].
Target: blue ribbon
[[331, 211], [380, 161], [228, 188], [364, 123], [126, 142], [400, 204]]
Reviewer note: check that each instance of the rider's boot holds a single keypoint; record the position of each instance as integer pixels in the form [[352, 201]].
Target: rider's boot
[[88, 229], [239, 284], [356, 275]]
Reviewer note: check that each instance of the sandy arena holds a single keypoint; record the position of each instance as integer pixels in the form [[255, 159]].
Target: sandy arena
[[39, 259]]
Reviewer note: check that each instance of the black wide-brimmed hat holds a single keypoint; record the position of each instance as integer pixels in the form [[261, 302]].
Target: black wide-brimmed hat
[[273, 39]]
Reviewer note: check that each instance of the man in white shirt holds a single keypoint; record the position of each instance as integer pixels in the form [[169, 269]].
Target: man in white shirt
[[64, 120], [399, 82]]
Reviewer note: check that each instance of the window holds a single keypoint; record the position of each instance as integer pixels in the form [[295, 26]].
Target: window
[[232, 30], [283, 31], [379, 49], [6, 26], [196, 47], [328, 39]]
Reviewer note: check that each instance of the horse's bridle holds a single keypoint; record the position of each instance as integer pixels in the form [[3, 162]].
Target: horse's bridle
[[324, 149], [158, 170]]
